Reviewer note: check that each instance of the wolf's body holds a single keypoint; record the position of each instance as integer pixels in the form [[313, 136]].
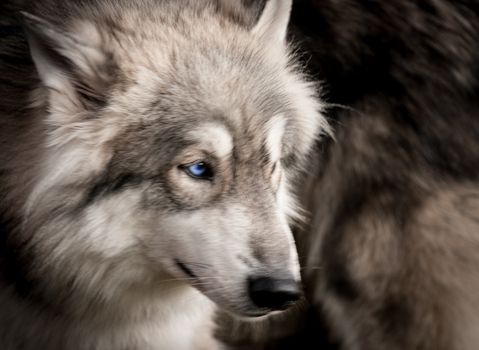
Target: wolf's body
[[394, 251], [147, 147], [392, 254]]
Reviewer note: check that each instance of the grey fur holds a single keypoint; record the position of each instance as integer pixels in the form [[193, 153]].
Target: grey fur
[[95, 203]]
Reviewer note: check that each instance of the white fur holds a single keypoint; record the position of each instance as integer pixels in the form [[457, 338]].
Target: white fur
[[274, 137], [215, 138], [273, 23]]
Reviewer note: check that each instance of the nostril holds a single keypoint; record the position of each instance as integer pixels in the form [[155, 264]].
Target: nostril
[[271, 293]]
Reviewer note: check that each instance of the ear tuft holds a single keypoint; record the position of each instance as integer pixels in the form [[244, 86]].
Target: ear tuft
[[72, 64], [273, 23]]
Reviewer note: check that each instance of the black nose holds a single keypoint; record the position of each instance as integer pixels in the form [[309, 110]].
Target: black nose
[[275, 294]]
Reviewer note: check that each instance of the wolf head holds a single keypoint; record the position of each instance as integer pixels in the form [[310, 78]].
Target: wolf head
[[172, 136]]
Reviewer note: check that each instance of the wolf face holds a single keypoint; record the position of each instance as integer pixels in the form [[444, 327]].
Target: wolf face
[[170, 137]]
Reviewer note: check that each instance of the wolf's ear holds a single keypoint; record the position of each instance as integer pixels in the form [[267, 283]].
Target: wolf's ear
[[73, 66], [273, 23]]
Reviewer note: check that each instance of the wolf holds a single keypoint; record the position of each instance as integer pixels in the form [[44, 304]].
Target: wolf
[[148, 154], [391, 249]]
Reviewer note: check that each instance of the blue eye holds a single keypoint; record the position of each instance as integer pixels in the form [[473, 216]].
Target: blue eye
[[199, 170]]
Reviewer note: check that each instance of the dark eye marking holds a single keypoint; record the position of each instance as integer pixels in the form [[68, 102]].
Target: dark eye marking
[[199, 170], [106, 186]]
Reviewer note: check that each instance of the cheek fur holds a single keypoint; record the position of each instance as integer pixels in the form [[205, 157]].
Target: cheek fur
[[191, 191], [287, 202]]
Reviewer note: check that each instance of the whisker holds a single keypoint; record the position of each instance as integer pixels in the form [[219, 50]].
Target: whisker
[[197, 264], [338, 105]]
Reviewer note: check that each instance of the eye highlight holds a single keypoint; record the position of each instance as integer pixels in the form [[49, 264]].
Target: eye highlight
[[198, 170]]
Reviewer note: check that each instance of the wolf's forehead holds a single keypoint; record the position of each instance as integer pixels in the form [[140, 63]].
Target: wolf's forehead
[[213, 137], [265, 139]]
